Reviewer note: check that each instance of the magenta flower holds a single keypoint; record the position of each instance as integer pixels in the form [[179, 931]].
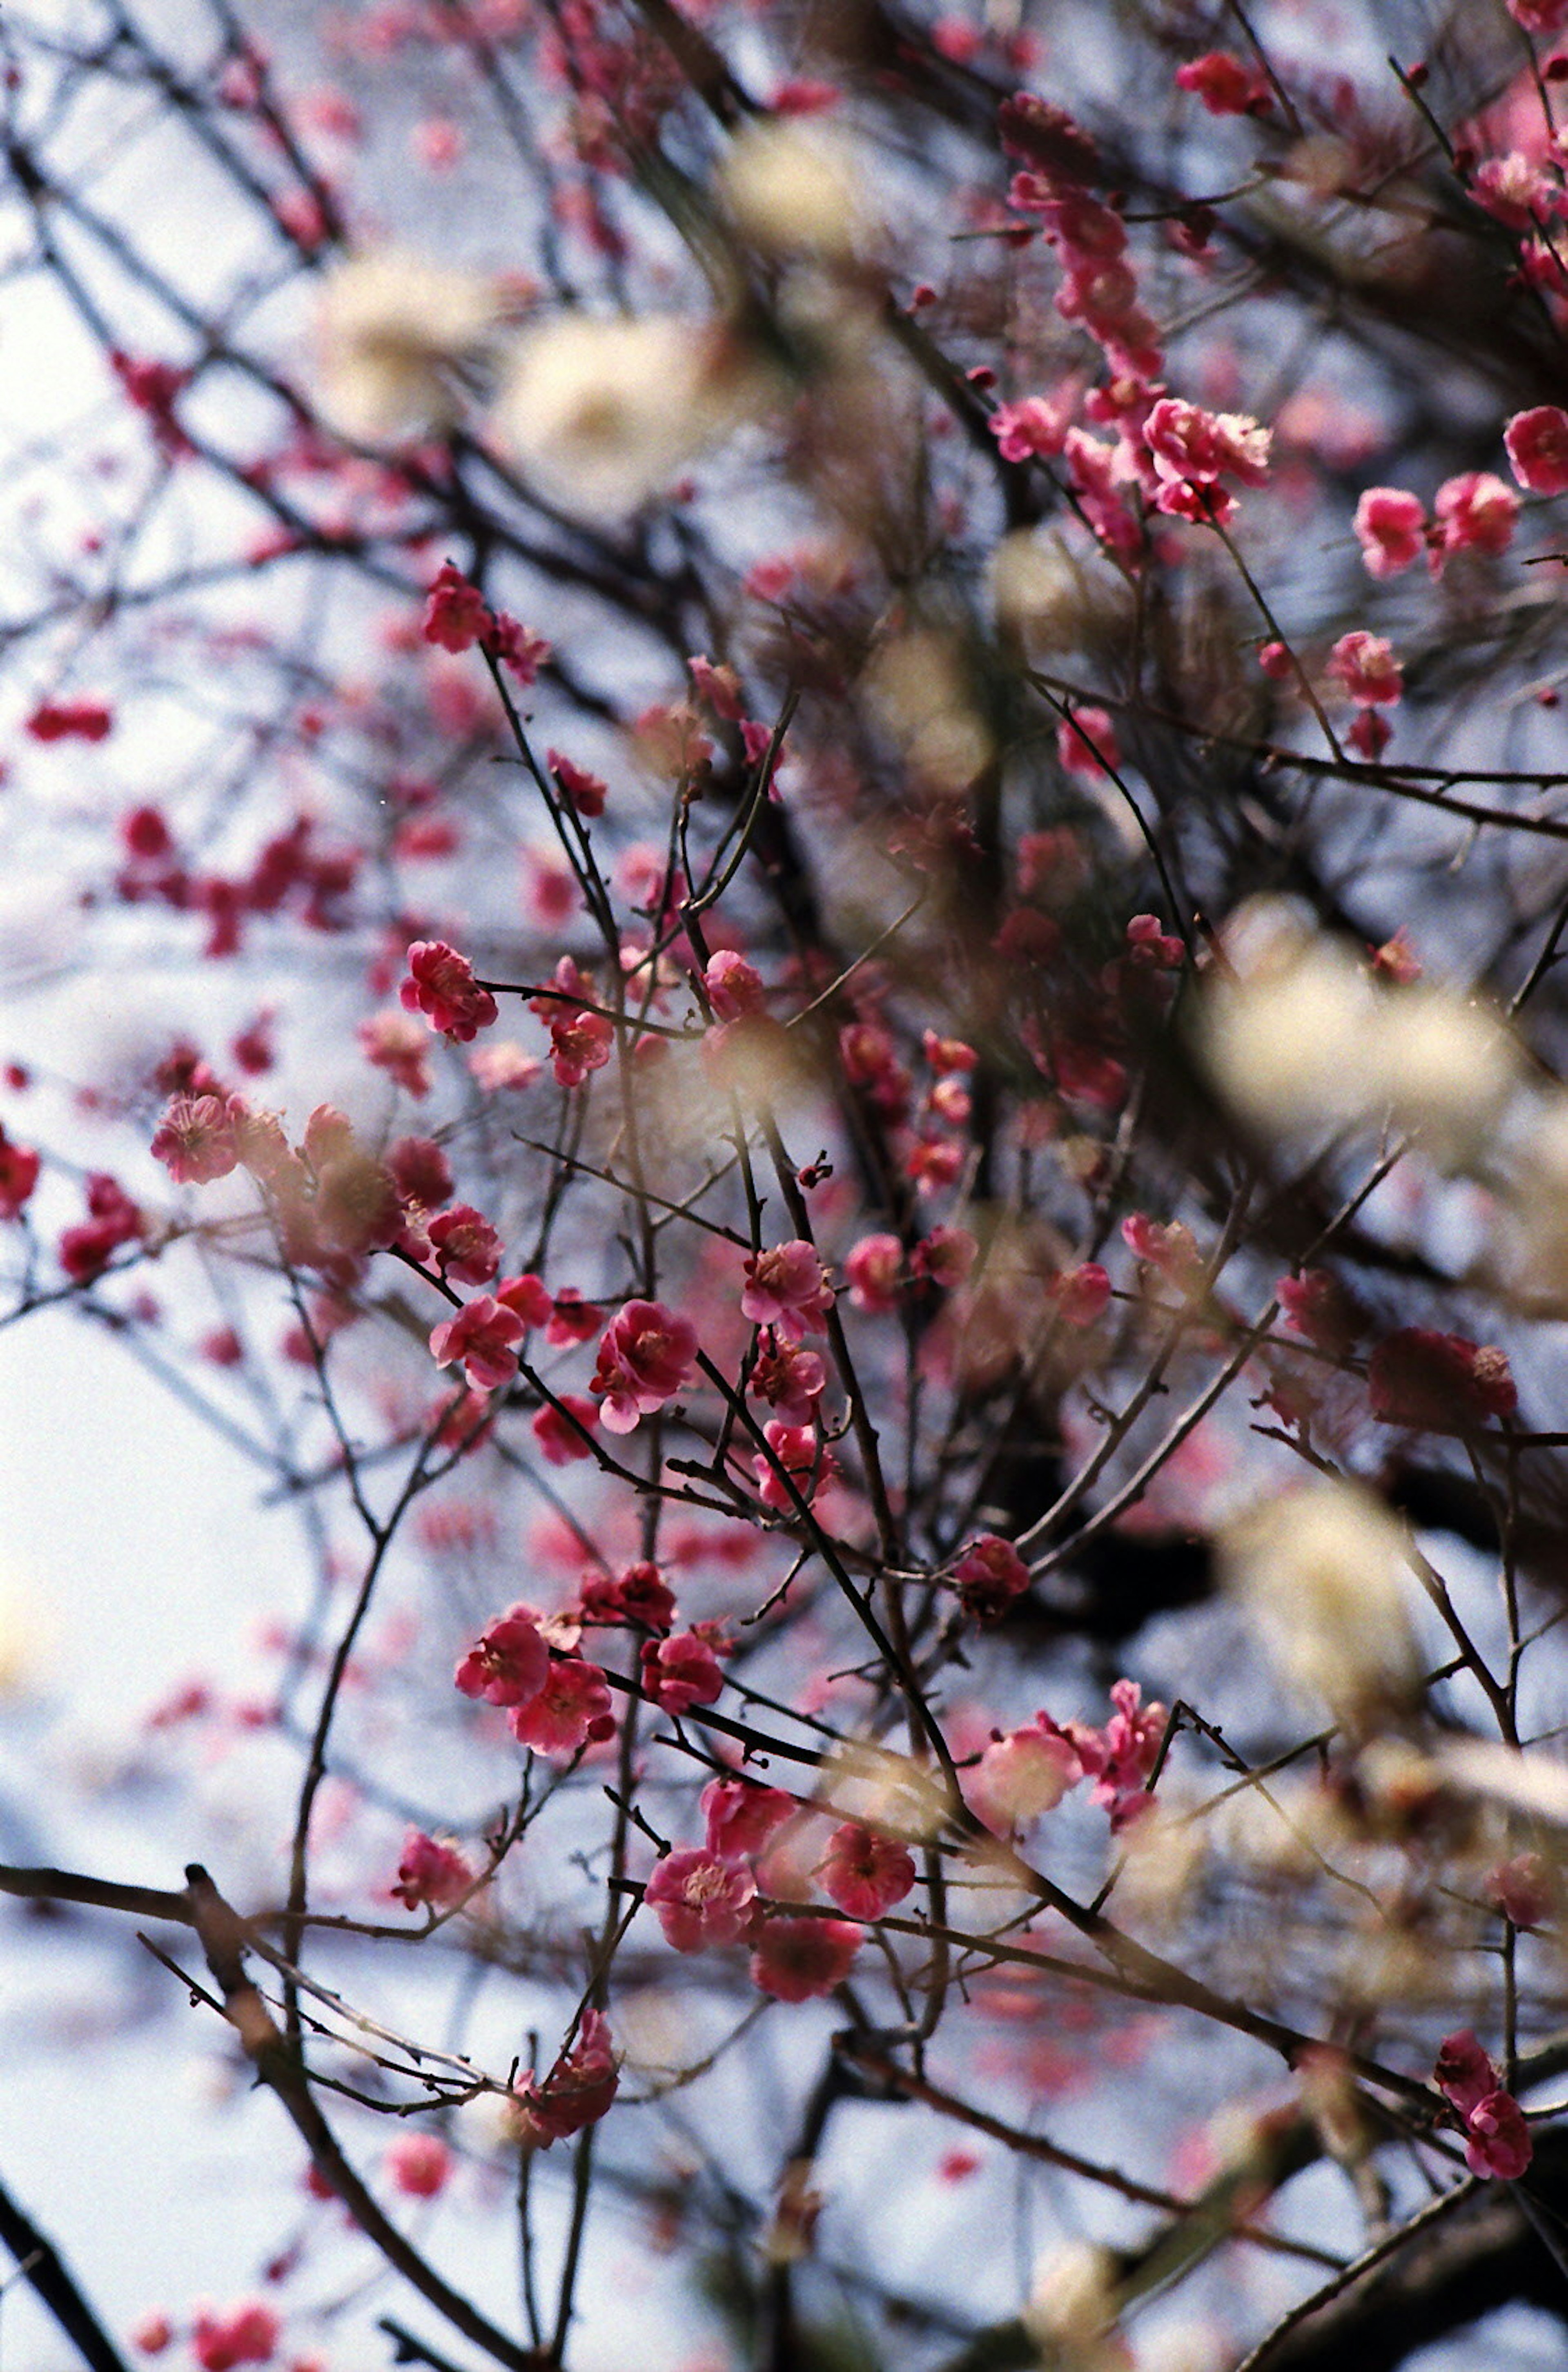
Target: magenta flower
[[1475, 511], [735, 987], [508, 1664], [1497, 2140], [418, 2164], [1364, 664], [1390, 527], [873, 1267], [800, 1959], [1225, 85], [560, 1442], [577, 2092], [441, 985], [1121, 1757], [682, 1671], [430, 1872], [701, 1899], [456, 613], [1086, 744], [19, 1176], [195, 1139], [1438, 1383], [246, 2333], [742, 1816], [571, 1709], [790, 1379], [586, 791], [481, 1336], [990, 1576], [1081, 1293], [639, 1595], [801, 1453], [787, 1288], [1537, 444], [866, 1875], [1037, 424], [645, 1356], [467, 1248]]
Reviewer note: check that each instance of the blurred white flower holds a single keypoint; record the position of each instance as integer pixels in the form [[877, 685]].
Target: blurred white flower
[[796, 190], [391, 332], [1300, 1037], [1320, 1571], [603, 414]]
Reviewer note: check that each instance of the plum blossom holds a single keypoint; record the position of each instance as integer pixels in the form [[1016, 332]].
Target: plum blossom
[[195, 1139], [1390, 527], [572, 1709], [989, 1575], [393, 328], [735, 987], [441, 985], [1475, 511], [873, 1268], [1537, 444], [800, 1959], [1438, 1383], [788, 1288], [808, 1463], [1497, 2140], [561, 1442], [394, 1041], [790, 1379], [1225, 85], [481, 1336], [866, 1875], [742, 1816], [701, 1898], [430, 1872], [681, 1672], [639, 1595], [508, 1664], [1037, 424], [1364, 664], [1081, 1294], [646, 1355], [577, 2092], [419, 2165], [245, 2333], [457, 616], [1121, 1757], [1023, 1775], [1087, 743], [467, 1248], [586, 791]]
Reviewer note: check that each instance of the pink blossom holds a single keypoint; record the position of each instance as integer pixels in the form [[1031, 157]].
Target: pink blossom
[[1515, 191], [800, 1959], [1021, 1775], [1475, 511], [1366, 667], [420, 1172], [571, 1709], [508, 1664], [467, 1248], [577, 2092], [1085, 742], [430, 1872], [442, 986], [65, 720], [787, 1288], [866, 1875], [394, 1041], [1438, 1383], [579, 1042], [1121, 1757], [946, 1257], [1151, 948], [419, 2165], [1198, 447], [701, 1899], [741, 1817], [246, 2333], [803, 1458], [873, 1267], [1390, 527], [505, 1064], [562, 1443], [152, 2335], [1497, 2140], [720, 687], [1317, 1306], [682, 1671], [948, 1053], [572, 1318], [989, 1575], [586, 791], [1225, 85], [481, 1336], [456, 613], [1081, 1294], [1537, 443], [735, 987], [85, 1251], [195, 1139], [790, 1379], [1521, 1889], [525, 1297], [1539, 16], [639, 1595], [1035, 425], [645, 1356]]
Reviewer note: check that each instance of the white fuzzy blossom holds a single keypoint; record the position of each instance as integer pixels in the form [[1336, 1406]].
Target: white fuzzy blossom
[[1300, 1038], [1321, 1573], [392, 332], [604, 413], [796, 190]]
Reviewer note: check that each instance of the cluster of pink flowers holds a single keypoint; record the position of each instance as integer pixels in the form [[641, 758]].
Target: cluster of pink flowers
[[708, 1896], [1497, 2140], [223, 2338], [646, 1355], [788, 1289], [457, 616], [1099, 288], [70, 720], [577, 2092], [555, 1703], [87, 1248], [1027, 1771], [1192, 450], [581, 1038], [1474, 512]]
